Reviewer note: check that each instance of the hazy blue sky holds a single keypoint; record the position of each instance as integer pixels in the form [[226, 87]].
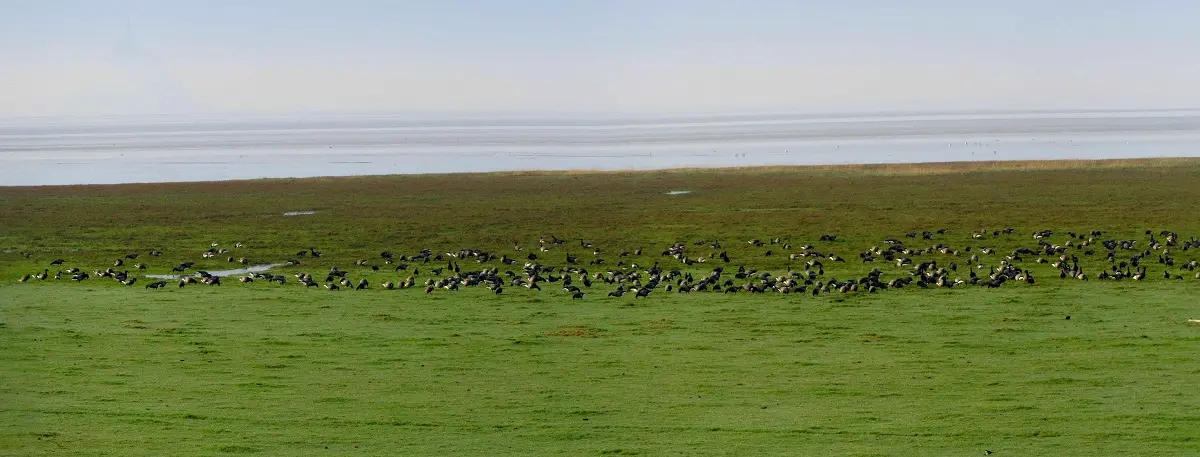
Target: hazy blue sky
[[75, 57]]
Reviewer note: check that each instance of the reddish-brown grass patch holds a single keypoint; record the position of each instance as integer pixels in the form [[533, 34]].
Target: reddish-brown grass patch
[[571, 330]]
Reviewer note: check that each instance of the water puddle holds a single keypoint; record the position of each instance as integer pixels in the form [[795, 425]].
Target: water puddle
[[223, 273], [677, 192], [299, 213]]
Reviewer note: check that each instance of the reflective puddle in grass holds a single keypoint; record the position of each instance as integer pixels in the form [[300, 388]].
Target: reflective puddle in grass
[[223, 273]]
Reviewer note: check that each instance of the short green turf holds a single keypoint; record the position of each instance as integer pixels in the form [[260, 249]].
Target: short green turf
[[95, 368]]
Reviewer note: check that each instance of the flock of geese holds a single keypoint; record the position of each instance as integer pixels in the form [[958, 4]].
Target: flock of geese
[[706, 266]]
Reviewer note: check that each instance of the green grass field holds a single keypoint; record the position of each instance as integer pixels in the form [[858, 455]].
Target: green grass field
[[96, 368]]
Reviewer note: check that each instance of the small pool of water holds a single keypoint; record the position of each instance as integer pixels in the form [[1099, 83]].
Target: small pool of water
[[223, 273], [677, 192], [299, 213]]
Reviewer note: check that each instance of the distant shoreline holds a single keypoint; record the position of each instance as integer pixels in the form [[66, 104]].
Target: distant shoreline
[[875, 169]]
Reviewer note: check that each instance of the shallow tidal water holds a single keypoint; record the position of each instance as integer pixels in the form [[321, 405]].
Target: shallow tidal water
[[53, 151]]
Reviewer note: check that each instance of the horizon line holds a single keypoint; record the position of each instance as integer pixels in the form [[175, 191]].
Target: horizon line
[[609, 114]]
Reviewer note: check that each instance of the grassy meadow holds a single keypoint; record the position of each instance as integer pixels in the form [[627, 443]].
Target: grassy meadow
[[97, 368]]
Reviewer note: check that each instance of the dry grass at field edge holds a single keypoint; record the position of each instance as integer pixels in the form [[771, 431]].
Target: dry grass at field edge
[[877, 169]]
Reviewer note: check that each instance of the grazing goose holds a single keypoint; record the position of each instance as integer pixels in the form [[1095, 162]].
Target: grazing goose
[[1140, 275]]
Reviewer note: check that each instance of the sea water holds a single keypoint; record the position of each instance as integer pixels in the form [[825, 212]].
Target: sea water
[[102, 150]]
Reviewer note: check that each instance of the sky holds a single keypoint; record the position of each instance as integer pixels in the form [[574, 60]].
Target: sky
[[87, 57]]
